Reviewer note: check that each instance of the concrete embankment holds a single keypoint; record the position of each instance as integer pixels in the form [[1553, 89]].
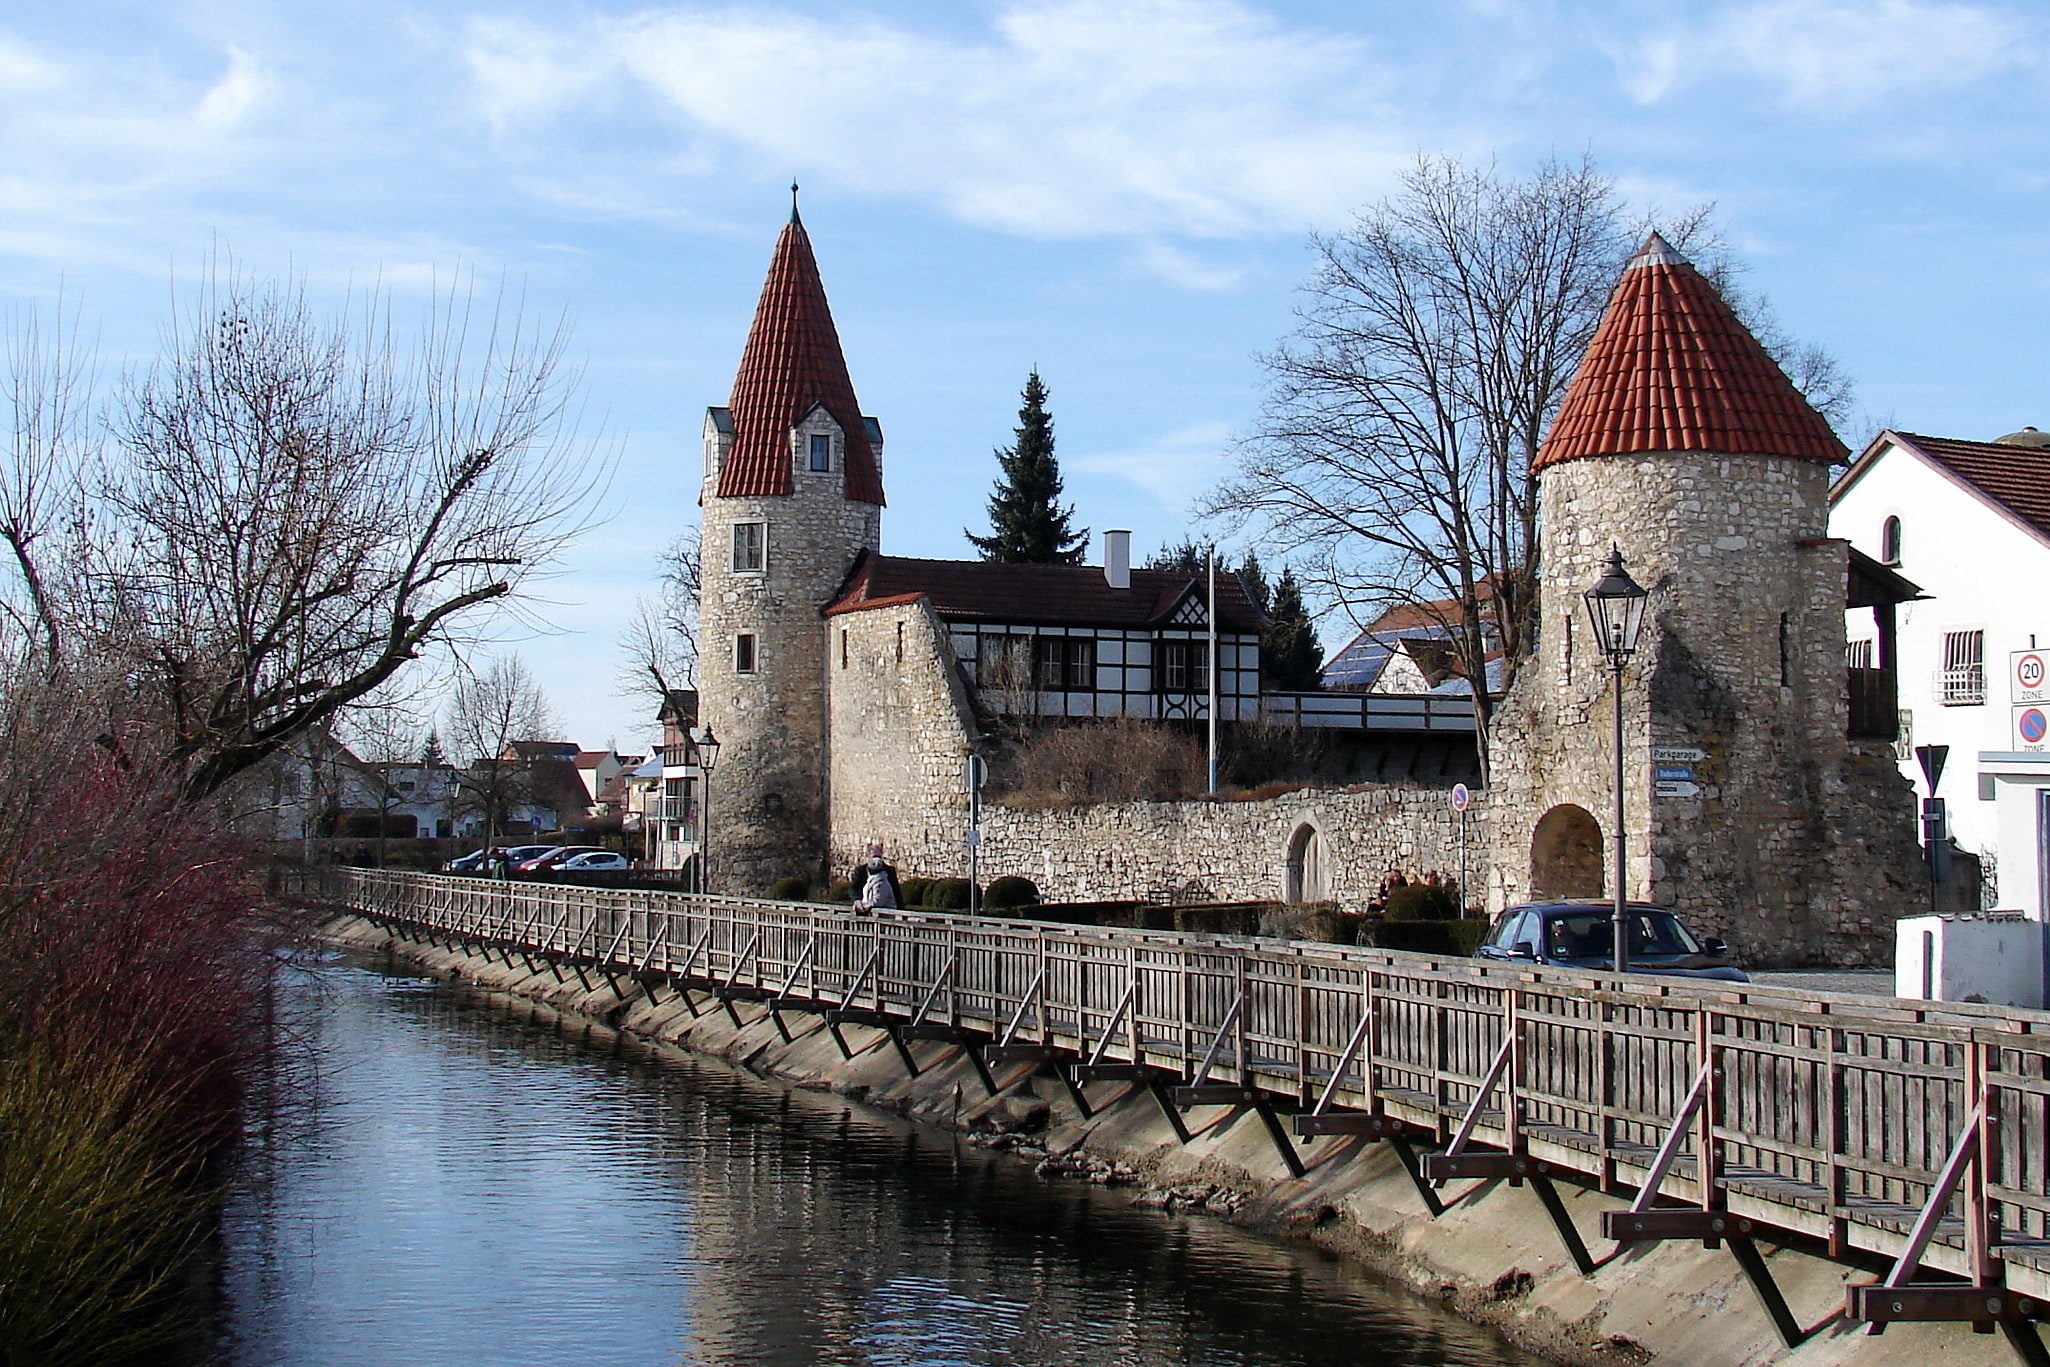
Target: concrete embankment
[[1493, 1256]]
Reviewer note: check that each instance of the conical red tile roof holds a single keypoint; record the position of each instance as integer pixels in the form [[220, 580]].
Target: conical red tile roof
[[792, 361], [1671, 368]]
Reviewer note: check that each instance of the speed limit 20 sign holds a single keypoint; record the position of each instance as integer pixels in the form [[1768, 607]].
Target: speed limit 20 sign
[[2026, 675]]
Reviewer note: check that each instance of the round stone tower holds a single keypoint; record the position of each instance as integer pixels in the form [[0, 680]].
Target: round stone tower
[[1748, 806], [793, 492]]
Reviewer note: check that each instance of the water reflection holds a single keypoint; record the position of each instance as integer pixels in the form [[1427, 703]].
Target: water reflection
[[462, 1185]]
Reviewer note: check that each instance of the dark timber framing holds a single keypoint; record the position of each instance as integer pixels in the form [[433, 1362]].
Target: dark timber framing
[[1737, 1114]]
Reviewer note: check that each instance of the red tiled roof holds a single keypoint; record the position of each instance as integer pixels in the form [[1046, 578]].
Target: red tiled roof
[[1671, 368], [2015, 477], [792, 361], [1037, 595]]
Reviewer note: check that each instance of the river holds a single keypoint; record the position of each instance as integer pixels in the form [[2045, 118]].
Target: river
[[442, 1180]]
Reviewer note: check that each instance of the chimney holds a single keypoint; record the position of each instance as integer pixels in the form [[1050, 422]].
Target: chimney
[[1117, 559]]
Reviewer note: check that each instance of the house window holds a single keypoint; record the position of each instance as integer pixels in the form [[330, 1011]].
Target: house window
[[750, 546], [1890, 541], [744, 653], [1182, 666], [1858, 654], [1963, 681], [821, 452], [1064, 664]]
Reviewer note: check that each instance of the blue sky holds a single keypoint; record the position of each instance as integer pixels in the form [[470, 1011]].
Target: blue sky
[[1117, 193]]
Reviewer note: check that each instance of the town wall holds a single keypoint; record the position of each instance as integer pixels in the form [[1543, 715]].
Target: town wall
[[901, 727]]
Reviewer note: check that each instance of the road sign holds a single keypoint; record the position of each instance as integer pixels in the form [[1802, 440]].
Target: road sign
[[1675, 788], [2032, 727], [1931, 758], [1677, 754], [1462, 797], [1674, 773], [2028, 676]]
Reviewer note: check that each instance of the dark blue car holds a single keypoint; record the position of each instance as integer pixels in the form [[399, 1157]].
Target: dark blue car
[[1582, 935]]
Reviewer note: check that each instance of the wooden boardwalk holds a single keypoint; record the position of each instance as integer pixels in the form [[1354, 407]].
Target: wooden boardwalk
[[1917, 1132]]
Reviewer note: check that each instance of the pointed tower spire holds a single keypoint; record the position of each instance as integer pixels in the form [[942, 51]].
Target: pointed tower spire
[[1672, 368], [791, 363]]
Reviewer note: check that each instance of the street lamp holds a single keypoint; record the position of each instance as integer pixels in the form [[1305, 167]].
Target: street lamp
[[708, 759], [1615, 605]]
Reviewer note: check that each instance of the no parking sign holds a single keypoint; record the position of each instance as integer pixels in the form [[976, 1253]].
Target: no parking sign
[[2031, 728]]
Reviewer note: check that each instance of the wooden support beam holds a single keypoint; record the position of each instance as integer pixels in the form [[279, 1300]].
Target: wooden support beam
[[1648, 1226], [1760, 1276], [1562, 1221], [1026, 1053], [1283, 1145], [1075, 1092], [1168, 1109], [1488, 1167], [1217, 1094]]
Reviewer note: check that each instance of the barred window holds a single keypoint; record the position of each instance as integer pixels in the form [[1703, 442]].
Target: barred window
[[1963, 681], [1858, 654]]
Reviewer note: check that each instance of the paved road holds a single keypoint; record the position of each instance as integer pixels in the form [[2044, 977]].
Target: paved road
[[1866, 982]]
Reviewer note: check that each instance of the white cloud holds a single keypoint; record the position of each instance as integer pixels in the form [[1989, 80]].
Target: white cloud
[[1174, 467], [1068, 119], [1829, 52]]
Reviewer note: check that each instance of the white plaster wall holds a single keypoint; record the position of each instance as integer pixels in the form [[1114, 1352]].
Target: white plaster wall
[[1981, 570]]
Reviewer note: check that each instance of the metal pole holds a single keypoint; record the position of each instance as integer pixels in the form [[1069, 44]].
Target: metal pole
[[974, 835], [1212, 614], [1620, 924], [704, 831], [1462, 863]]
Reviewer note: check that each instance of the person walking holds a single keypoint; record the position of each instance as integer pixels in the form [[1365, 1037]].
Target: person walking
[[874, 884]]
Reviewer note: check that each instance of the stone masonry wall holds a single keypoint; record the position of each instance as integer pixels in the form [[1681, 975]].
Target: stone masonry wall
[[767, 798], [901, 724], [1231, 851]]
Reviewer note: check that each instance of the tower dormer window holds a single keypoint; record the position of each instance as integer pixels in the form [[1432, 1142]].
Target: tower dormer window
[[750, 547], [821, 452]]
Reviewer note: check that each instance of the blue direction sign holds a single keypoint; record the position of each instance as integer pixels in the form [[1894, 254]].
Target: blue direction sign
[[1673, 773]]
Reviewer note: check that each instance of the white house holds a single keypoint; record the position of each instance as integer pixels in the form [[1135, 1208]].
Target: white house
[[1968, 521]]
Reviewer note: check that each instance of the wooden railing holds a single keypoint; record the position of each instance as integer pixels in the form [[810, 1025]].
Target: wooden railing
[[1917, 1131]]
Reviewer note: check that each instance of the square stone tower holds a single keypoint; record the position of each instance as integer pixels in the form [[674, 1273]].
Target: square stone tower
[[1749, 808], [793, 493]]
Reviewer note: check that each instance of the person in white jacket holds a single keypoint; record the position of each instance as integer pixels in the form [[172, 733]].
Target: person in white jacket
[[874, 884]]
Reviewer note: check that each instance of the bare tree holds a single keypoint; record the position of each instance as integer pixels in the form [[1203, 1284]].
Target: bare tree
[[487, 713], [293, 508], [659, 647], [46, 387], [1435, 341]]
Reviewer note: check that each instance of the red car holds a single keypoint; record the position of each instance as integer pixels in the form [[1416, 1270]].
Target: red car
[[556, 856]]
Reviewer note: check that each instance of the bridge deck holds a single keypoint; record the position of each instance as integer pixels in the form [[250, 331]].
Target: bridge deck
[[1826, 1115]]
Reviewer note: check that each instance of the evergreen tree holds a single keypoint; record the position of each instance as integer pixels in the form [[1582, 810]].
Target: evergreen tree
[[1255, 580], [1027, 523], [431, 753], [1290, 655], [1185, 556]]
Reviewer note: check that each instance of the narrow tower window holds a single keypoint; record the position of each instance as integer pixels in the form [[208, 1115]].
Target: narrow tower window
[[744, 653], [1786, 661], [749, 547], [843, 648], [900, 643], [821, 452], [1890, 541]]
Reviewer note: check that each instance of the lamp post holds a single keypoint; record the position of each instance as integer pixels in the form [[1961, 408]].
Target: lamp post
[[1615, 606], [708, 759]]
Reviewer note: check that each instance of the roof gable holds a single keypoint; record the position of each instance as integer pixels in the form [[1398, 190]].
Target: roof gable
[[792, 363], [2013, 480], [1672, 368]]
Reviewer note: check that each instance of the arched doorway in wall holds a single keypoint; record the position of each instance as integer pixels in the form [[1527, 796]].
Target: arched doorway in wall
[[1566, 854], [1307, 880]]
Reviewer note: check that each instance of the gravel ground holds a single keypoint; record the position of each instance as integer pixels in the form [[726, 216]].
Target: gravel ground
[[1865, 982]]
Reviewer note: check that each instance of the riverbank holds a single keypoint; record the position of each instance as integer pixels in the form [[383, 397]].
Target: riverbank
[[1493, 1256]]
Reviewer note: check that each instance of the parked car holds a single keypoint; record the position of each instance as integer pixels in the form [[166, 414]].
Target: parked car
[[473, 862], [1581, 935], [552, 856], [595, 859]]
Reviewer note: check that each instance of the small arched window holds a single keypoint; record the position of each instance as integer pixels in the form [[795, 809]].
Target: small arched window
[[1890, 541]]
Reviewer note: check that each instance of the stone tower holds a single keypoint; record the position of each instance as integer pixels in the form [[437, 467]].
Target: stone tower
[[1682, 443], [793, 492]]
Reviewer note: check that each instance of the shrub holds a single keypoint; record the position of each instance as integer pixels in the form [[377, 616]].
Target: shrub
[[1423, 902], [912, 891], [1427, 937], [1127, 760], [947, 894], [792, 889], [1011, 892], [840, 891], [1222, 918], [1088, 913]]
